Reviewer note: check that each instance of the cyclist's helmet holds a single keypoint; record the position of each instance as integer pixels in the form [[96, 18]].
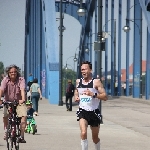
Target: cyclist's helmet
[[28, 102]]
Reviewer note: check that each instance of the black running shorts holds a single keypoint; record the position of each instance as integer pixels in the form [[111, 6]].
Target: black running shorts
[[92, 117]]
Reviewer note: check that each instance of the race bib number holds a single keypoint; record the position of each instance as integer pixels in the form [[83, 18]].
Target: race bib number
[[85, 99]]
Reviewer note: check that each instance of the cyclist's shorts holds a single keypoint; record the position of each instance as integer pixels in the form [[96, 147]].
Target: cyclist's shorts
[[21, 110]]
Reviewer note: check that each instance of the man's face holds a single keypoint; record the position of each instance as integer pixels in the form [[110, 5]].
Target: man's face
[[86, 71], [13, 73]]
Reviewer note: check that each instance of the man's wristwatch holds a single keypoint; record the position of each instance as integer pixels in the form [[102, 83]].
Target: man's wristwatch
[[95, 95]]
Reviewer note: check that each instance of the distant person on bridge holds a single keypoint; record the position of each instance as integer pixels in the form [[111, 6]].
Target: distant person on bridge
[[35, 95], [13, 88], [29, 85], [69, 95], [89, 92]]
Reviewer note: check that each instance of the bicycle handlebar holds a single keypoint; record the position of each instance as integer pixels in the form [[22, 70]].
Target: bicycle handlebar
[[9, 103]]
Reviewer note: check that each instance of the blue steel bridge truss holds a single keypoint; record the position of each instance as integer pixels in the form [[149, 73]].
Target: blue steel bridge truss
[[41, 53]]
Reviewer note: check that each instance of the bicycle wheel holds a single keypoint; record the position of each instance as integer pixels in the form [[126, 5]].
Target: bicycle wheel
[[33, 129], [9, 138], [17, 136]]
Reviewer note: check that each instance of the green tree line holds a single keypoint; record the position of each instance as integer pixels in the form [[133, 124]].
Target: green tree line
[[66, 75], [1, 70]]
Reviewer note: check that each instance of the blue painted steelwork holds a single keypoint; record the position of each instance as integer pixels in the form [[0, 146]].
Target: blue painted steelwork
[[86, 55], [106, 47], [112, 50], [136, 53], [90, 6], [127, 48], [41, 52], [119, 46], [52, 51], [95, 37], [71, 8], [148, 67], [90, 39], [43, 60], [32, 43]]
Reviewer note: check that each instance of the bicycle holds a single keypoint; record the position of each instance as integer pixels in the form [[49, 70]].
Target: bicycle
[[13, 128], [31, 127]]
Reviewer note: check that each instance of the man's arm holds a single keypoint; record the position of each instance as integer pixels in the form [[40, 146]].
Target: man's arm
[[1, 93], [3, 87], [76, 93], [102, 94], [23, 95], [22, 89]]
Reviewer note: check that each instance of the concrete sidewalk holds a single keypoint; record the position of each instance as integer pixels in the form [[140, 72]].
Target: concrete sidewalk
[[59, 130]]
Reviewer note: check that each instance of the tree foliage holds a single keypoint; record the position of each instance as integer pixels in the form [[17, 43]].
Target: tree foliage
[[67, 74], [1, 68]]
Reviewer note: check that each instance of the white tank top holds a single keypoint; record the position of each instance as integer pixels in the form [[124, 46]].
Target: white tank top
[[87, 102]]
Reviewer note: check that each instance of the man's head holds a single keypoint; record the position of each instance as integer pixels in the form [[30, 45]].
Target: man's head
[[86, 69], [35, 80], [69, 81], [13, 72]]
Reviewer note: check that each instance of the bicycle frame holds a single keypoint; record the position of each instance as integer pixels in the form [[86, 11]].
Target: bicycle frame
[[13, 128]]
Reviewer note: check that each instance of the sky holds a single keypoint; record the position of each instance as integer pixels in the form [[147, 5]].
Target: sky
[[12, 27]]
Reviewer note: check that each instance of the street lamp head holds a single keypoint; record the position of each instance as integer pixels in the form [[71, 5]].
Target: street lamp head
[[63, 28], [103, 40], [81, 12], [75, 59], [126, 28], [66, 67], [86, 50]]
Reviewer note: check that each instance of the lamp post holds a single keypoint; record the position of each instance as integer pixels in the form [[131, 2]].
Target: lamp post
[[61, 29], [81, 12], [126, 29], [66, 67], [99, 53], [74, 59]]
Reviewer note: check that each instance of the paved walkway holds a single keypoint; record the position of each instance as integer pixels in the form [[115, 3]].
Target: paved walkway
[[126, 126]]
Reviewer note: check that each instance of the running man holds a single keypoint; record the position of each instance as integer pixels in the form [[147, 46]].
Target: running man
[[88, 93]]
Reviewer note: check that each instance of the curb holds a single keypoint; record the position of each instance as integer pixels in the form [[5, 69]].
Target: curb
[[137, 100]]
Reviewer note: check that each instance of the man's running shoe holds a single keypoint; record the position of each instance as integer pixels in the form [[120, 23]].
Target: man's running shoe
[[21, 140]]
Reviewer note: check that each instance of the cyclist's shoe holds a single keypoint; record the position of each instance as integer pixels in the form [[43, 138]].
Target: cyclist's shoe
[[21, 140]]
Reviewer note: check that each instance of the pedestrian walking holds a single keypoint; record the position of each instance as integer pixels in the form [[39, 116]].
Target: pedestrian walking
[[35, 95], [88, 93], [29, 85], [124, 88], [69, 95]]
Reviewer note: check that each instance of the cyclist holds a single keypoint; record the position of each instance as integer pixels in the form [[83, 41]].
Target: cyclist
[[13, 88]]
